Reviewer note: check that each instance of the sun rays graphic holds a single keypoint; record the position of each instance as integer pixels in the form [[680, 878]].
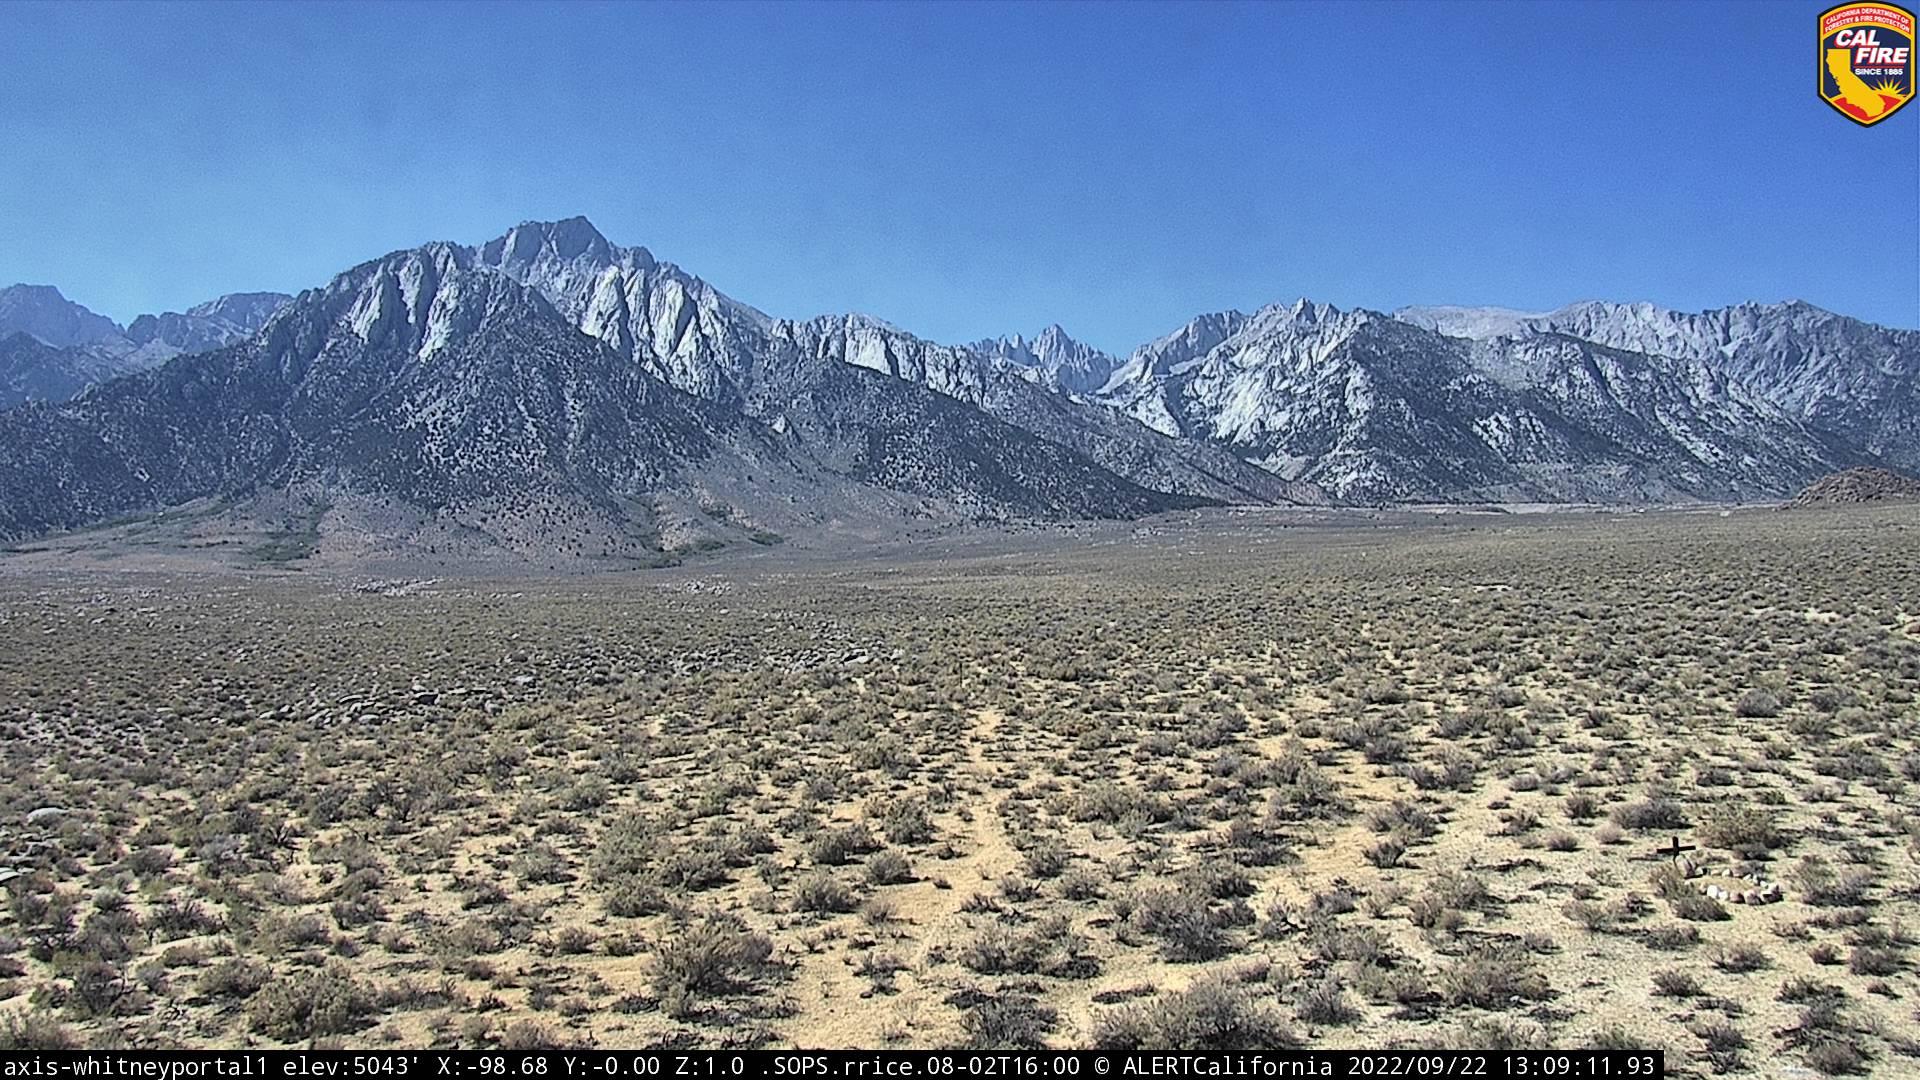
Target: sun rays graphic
[[1889, 88]]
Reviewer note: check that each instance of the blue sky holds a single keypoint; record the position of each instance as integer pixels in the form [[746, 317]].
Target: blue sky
[[967, 169]]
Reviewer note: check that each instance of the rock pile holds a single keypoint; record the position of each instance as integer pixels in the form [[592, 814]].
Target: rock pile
[[1749, 888]]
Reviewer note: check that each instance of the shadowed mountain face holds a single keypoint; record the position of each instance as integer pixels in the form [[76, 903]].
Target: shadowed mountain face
[[32, 370], [458, 391], [41, 312], [79, 348], [710, 345]]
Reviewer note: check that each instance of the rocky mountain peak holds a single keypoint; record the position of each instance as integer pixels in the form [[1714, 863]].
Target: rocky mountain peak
[[450, 363], [209, 325], [571, 239], [1051, 358], [45, 313]]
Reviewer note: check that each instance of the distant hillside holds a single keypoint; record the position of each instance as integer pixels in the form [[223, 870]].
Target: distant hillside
[[1862, 485]]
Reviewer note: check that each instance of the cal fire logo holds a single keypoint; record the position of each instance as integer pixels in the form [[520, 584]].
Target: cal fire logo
[[1866, 60]]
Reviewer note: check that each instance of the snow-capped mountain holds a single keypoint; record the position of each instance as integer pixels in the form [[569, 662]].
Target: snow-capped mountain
[[1478, 323], [1852, 378], [705, 342], [684, 329], [552, 387]]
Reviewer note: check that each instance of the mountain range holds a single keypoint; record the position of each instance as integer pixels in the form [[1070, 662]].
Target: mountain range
[[550, 390], [52, 348]]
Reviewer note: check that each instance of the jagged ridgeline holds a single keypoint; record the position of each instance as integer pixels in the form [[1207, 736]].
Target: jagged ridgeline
[[552, 390]]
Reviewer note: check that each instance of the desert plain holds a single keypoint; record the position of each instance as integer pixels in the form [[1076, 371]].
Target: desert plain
[[1220, 780]]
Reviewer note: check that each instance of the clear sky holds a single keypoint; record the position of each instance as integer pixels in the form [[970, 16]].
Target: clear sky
[[966, 170]]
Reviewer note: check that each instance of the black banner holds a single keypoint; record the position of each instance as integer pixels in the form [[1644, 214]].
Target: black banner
[[825, 1064]]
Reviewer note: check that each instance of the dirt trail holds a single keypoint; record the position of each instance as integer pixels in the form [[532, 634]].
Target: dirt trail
[[927, 918]]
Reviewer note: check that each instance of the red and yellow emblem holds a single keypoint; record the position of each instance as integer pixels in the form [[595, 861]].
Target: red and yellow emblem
[[1866, 60]]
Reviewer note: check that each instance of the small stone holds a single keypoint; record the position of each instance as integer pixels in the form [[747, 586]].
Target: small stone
[[46, 815]]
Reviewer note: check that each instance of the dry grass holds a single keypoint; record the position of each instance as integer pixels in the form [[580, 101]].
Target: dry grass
[[1202, 784]]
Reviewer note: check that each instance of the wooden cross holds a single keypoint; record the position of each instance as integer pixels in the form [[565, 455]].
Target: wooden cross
[[1673, 848]]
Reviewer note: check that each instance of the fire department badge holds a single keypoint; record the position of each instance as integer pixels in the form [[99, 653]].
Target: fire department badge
[[1866, 60]]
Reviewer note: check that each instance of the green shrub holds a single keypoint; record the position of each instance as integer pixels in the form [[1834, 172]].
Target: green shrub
[[1648, 814], [834, 847], [1493, 977], [1676, 984], [889, 867], [901, 821], [235, 979], [1325, 1002], [632, 897]]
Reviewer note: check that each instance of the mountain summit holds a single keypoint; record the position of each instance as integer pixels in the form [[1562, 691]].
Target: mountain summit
[[550, 393], [429, 397], [65, 348], [41, 312]]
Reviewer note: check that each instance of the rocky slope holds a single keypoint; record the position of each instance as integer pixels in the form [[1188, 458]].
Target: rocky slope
[[218, 322], [79, 348], [1053, 360], [1861, 485], [704, 342], [428, 378], [1858, 381], [31, 370], [1372, 408], [550, 383], [41, 312]]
